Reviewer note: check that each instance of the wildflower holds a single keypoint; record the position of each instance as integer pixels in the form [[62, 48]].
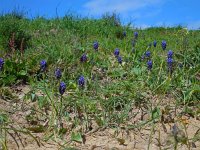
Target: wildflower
[[62, 88], [169, 61], [43, 65], [170, 54], [147, 53], [119, 59], [154, 43], [81, 81], [170, 64], [149, 64], [83, 58], [136, 35], [124, 33], [58, 73], [1, 63], [96, 45], [164, 45], [116, 52]]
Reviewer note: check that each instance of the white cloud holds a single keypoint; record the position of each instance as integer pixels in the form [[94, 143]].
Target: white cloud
[[98, 7]]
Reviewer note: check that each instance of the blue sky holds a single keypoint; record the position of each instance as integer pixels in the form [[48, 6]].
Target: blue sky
[[142, 13]]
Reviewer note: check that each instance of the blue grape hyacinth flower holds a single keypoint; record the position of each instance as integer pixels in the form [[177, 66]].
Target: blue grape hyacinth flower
[[136, 35], [154, 43], [1, 63], [147, 53], [116, 52], [81, 81], [170, 64], [43, 65], [149, 64], [83, 58], [170, 54], [58, 73], [96, 45], [119, 59], [164, 45], [124, 33], [62, 88]]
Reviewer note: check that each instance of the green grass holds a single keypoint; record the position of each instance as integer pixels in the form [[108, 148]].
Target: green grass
[[112, 89]]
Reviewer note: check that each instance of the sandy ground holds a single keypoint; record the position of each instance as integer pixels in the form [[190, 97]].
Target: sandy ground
[[153, 136]]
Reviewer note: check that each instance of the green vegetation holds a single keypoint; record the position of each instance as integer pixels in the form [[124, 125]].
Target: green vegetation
[[111, 90]]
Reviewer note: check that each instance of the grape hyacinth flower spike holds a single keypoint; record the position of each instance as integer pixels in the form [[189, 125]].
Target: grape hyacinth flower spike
[[119, 59], [170, 54], [96, 45], [58, 73], [116, 52], [149, 64], [164, 45], [170, 64], [43, 65], [148, 54], [62, 88], [1, 63], [83, 58], [136, 35], [154, 43], [81, 81], [124, 33]]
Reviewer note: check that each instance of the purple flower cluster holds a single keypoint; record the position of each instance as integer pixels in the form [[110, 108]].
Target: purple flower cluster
[[149, 64], [83, 58], [1, 63], [164, 45], [43, 65], [116, 52], [170, 54], [136, 35], [62, 88], [147, 54], [96, 45], [58, 73], [154, 43], [124, 33], [119, 59], [170, 61], [81, 81]]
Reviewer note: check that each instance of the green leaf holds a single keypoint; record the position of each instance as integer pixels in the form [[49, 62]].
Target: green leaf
[[3, 118], [155, 113], [136, 71], [76, 137], [22, 73]]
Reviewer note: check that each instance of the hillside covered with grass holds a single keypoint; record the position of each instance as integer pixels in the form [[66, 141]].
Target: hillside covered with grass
[[71, 76]]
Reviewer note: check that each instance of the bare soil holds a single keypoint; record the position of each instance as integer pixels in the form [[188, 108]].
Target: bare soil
[[153, 136]]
